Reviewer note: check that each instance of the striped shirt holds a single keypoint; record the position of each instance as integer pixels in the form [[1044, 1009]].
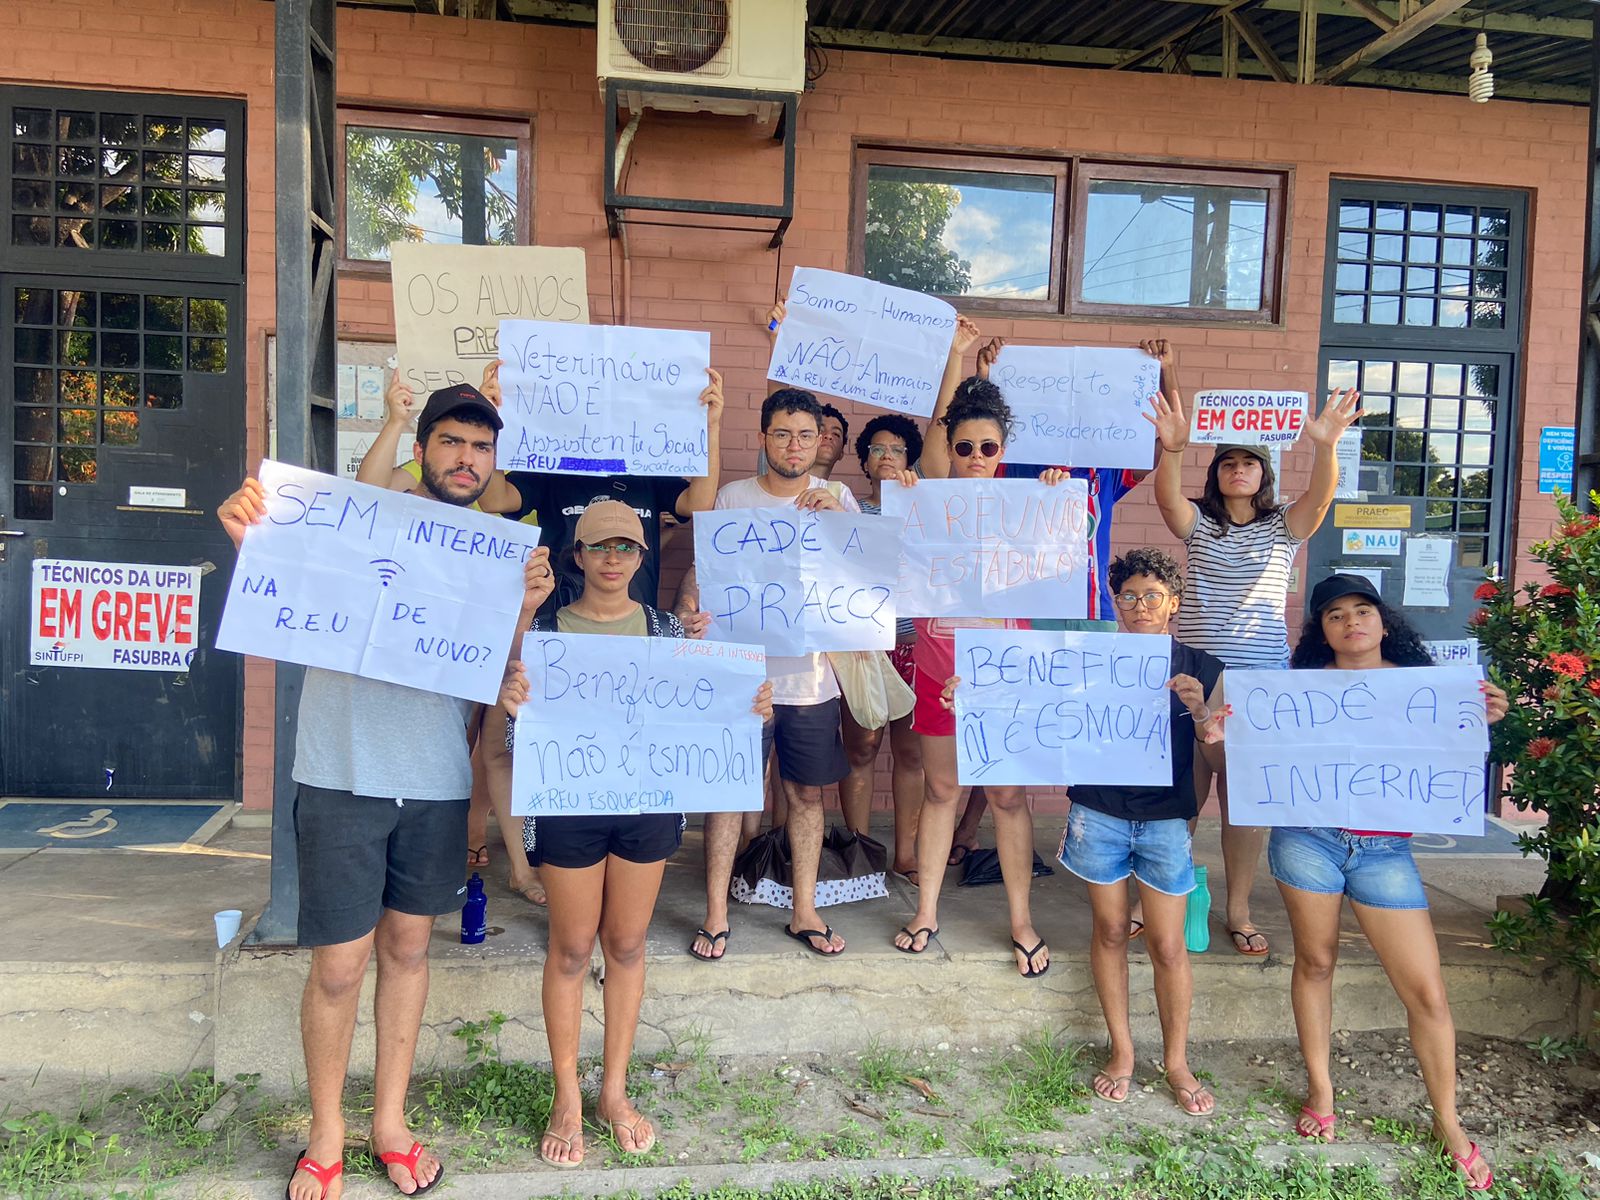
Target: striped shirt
[[1235, 588]]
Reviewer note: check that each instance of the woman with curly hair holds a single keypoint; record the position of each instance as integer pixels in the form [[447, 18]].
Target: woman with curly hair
[[1241, 543], [1351, 629], [976, 423]]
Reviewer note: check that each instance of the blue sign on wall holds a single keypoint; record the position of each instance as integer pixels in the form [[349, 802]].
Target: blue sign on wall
[[1557, 446]]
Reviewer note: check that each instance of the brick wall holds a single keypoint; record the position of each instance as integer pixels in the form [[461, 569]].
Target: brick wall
[[723, 281]]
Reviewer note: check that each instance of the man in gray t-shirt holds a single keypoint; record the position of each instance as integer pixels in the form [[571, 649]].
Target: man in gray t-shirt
[[384, 775]]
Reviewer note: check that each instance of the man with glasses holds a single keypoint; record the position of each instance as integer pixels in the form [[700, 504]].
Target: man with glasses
[[805, 693], [1115, 831]]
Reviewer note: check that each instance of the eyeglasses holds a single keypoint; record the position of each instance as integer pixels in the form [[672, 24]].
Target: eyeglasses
[[1148, 599], [988, 448], [782, 437], [620, 549], [886, 451]]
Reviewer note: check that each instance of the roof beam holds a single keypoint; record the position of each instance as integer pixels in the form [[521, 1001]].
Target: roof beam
[[1373, 13], [1469, 18], [1251, 36], [1173, 44], [1420, 21]]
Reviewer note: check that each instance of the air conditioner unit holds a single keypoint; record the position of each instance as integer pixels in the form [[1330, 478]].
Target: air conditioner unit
[[712, 45]]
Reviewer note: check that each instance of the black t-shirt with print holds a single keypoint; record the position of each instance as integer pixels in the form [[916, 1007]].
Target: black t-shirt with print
[[1161, 803], [560, 500]]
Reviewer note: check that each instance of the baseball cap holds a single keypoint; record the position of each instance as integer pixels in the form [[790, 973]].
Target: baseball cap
[[448, 401], [1256, 451], [609, 519], [1335, 587]]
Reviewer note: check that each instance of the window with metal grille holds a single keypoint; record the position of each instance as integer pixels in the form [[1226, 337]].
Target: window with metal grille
[[90, 366]]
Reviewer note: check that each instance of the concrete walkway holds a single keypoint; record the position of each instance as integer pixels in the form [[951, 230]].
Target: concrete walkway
[[108, 966]]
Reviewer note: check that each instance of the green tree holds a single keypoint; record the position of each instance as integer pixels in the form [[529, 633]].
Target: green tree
[[385, 174], [905, 232]]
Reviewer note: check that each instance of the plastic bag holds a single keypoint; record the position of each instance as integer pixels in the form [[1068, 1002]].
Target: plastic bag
[[872, 687], [851, 868]]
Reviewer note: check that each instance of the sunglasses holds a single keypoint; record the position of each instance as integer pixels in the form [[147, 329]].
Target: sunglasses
[[620, 549], [988, 448]]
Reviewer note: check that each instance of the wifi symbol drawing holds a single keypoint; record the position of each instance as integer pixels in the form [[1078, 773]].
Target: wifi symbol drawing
[[387, 569], [1469, 715]]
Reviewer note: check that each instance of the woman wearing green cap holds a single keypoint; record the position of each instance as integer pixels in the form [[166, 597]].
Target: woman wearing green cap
[[1241, 543]]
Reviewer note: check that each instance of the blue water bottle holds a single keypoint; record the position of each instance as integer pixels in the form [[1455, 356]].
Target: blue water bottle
[[474, 913], [1197, 915]]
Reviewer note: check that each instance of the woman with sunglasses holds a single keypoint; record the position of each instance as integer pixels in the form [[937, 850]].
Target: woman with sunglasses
[[976, 425], [601, 873], [1352, 629]]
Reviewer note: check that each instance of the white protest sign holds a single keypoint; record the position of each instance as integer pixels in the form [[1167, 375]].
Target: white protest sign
[[992, 547], [119, 616], [1050, 708], [1242, 418], [850, 337], [1079, 406], [798, 582], [602, 399], [626, 725], [1399, 749], [376, 583], [1428, 572], [449, 302]]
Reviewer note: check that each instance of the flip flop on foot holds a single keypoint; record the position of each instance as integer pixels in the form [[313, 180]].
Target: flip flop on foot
[[825, 934], [532, 892], [926, 933], [1244, 941], [711, 953], [478, 857], [907, 877], [324, 1175], [958, 854], [569, 1146], [1197, 1101], [1465, 1163], [1032, 972], [1135, 928], [631, 1128], [408, 1161], [1313, 1126], [1112, 1088]]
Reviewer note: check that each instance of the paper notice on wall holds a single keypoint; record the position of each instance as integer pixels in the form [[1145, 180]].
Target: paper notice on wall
[[1428, 572], [1371, 541], [449, 302], [120, 616], [353, 447], [369, 393], [347, 392], [1079, 406], [850, 337], [1454, 650], [1373, 575], [1348, 453], [1243, 418]]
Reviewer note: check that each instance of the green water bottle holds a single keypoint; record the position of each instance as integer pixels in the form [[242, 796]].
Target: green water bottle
[[1197, 915]]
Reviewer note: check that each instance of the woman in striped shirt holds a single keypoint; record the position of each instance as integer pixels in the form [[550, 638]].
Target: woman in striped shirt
[[1241, 543]]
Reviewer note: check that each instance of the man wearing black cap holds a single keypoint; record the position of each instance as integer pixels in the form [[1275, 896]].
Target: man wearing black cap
[[381, 831]]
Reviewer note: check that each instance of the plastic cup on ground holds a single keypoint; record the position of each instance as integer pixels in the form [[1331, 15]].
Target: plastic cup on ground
[[227, 925]]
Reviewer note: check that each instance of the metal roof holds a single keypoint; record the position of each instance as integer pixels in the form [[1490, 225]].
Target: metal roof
[[1542, 48]]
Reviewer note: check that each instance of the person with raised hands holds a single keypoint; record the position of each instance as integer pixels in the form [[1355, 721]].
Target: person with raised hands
[[1242, 541]]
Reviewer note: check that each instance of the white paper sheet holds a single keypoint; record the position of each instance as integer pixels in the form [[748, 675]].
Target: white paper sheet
[[1079, 406], [1428, 572]]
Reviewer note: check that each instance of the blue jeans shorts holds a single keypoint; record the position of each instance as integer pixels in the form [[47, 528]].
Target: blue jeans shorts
[[1105, 849], [1376, 871]]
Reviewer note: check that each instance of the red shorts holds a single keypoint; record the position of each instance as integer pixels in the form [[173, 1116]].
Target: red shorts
[[930, 718]]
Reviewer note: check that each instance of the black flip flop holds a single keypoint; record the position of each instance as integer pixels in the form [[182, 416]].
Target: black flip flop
[[1030, 973], [914, 935], [805, 936], [713, 938], [958, 855]]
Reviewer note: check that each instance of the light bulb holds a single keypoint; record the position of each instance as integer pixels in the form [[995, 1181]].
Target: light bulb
[[1480, 83]]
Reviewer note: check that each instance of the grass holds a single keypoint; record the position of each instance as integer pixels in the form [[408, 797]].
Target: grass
[[41, 1155], [1044, 1080]]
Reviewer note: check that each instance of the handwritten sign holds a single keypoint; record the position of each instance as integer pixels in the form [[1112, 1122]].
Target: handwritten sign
[[376, 583], [1247, 418], [449, 302], [627, 725], [117, 616], [865, 341], [602, 399], [1398, 749], [1079, 406], [798, 582], [1050, 708], [992, 547]]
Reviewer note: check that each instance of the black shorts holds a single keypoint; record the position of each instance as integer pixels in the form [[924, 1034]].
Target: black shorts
[[361, 854], [810, 750], [579, 842]]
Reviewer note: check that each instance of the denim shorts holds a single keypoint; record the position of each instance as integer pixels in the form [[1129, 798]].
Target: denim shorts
[[1105, 849], [1376, 871]]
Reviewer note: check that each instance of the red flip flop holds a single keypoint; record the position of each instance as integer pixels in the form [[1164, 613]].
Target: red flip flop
[[408, 1160], [1324, 1124], [1464, 1165], [325, 1175]]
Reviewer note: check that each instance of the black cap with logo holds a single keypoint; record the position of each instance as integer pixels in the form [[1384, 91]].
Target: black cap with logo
[[448, 401]]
